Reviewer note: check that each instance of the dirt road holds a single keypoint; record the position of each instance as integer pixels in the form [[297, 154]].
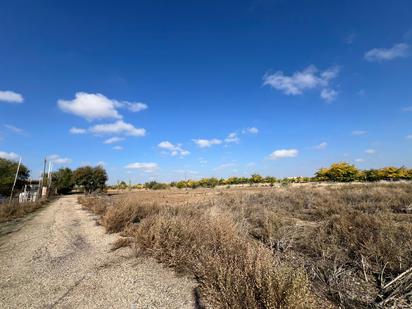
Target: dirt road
[[62, 259]]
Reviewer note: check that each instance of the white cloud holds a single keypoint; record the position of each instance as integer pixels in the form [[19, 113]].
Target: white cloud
[[359, 132], [113, 140], [174, 150], [370, 151], [384, 54], [118, 148], [75, 130], [409, 136], [90, 106], [251, 130], [9, 155], [232, 138], [146, 167], [118, 127], [14, 129], [206, 143], [202, 161], [328, 95], [321, 146], [56, 159], [300, 81], [224, 166], [133, 107], [93, 106], [283, 153], [407, 109], [360, 160], [10, 97]]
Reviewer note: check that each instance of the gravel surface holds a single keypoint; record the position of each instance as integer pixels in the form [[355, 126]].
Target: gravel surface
[[62, 259]]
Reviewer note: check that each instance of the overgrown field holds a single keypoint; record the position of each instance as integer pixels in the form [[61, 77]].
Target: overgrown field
[[308, 246]]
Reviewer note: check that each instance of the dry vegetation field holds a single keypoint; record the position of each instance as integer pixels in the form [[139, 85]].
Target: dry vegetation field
[[15, 210], [302, 246]]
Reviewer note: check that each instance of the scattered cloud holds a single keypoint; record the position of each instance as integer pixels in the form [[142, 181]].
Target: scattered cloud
[[8, 96], [359, 132], [113, 140], [206, 143], [9, 155], [359, 160], [232, 138], [224, 166], [14, 129], [118, 148], [328, 95], [370, 151], [133, 107], [118, 127], [149, 167], [283, 153], [75, 130], [321, 146], [92, 106], [173, 150], [251, 130], [409, 136], [56, 159], [385, 54], [300, 81], [407, 109], [202, 161]]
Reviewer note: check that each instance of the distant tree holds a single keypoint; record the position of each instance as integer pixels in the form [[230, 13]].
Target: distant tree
[[339, 172], [90, 178], [63, 181], [154, 185], [8, 170], [122, 185], [256, 178]]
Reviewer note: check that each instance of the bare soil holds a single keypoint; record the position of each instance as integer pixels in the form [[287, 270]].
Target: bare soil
[[61, 258]]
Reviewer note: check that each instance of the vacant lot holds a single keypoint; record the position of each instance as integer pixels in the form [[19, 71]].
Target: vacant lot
[[306, 246]]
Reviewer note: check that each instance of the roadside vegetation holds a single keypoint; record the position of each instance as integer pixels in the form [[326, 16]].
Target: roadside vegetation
[[63, 181], [312, 246], [337, 172]]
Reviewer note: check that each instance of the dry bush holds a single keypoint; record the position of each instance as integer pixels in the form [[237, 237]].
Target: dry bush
[[9, 211], [233, 270], [239, 243]]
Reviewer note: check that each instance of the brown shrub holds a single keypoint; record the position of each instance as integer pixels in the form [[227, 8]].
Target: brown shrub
[[240, 243], [233, 271], [10, 211]]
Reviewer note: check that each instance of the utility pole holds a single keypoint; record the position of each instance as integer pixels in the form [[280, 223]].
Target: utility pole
[[15, 180], [44, 188]]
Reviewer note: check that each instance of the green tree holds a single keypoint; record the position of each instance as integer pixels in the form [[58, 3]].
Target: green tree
[[340, 172], [8, 170], [90, 178], [256, 178], [62, 180]]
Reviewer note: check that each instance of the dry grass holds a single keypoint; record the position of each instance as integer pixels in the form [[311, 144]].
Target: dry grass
[[10, 211], [288, 247]]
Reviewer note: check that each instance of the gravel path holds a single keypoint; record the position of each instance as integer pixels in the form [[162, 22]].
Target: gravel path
[[62, 259]]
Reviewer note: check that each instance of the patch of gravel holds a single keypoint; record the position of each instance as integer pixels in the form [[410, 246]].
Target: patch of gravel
[[62, 259]]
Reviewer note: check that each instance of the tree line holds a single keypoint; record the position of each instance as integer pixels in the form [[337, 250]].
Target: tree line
[[86, 178], [337, 172]]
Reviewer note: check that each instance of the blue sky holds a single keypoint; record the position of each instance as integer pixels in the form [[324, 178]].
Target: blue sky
[[163, 89]]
